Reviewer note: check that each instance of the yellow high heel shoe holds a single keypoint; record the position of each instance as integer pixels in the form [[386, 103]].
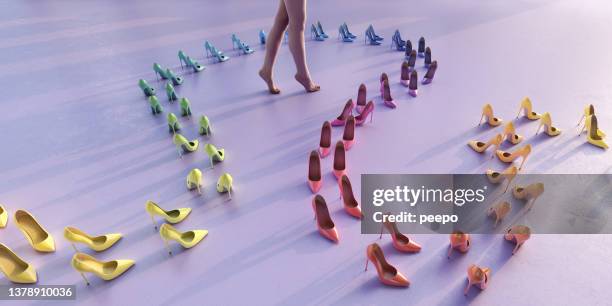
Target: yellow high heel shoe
[[588, 111], [480, 146], [592, 136], [547, 122], [487, 111], [529, 113], [183, 145], [510, 134], [530, 193], [225, 184], [499, 211], [172, 216], [98, 243], [38, 237], [14, 268], [187, 239], [3, 216], [109, 270], [194, 180], [508, 157], [496, 177], [214, 154]]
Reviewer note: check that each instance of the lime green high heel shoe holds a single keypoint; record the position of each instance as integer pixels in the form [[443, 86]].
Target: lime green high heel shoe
[[173, 124], [146, 89], [187, 239], [156, 108], [183, 145], [14, 268], [205, 127], [172, 216], [109, 270], [194, 180], [185, 107], [170, 92], [3, 216], [98, 243], [214, 154], [225, 184], [37, 236]]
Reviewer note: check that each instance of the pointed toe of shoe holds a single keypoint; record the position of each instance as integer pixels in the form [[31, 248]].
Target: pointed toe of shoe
[[46, 246], [331, 234], [315, 186], [399, 280], [354, 211], [337, 122], [324, 151], [348, 144], [198, 236], [390, 104], [405, 82], [339, 173], [111, 239], [28, 276], [122, 266]]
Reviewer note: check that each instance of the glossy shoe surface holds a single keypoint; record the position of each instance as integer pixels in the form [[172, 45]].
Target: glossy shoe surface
[[225, 183], [36, 235], [215, 155], [387, 274], [3, 216], [185, 145], [194, 180], [351, 206], [14, 268], [339, 160], [480, 146], [97, 243], [326, 226], [348, 136], [171, 216], [325, 140], [594, 133], [508, 157], [477, 276], [546, 122], [487, 112], [314, 172], [510, 134], [361, 97], [205, 126], [431, 72], [499, 211], [526, 106], [368, 110], [108, 270], [405, 74], [497, 177], [186, 239], [387, 99], [346, 111], [401, 242]]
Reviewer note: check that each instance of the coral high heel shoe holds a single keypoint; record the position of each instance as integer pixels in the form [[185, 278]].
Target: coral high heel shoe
[[14, 268], [146, 88], [351, 206], [194, 180], [510, 134], [487, 111], [326, 226], [413, 85], [98, 243], [519, 234], [186, 239], [156, 108], [593, 135], [205, 126], [405, 74], [367, 111], [183, 145], [588, 111], [383, 77], [499, 211], [528, 111], [225, 183], [3, 217], [361, 98], [387, 274], [37, 236], [315, 179], [325, 141], [401, 242], [185, 108], [508, 157], [477, 276], [170, 93], [109, 270], [172, 216], [387, 99], [339, 160], [348, 137], [346, 111], [214, 154], [546, 121], [431, 72], [459, 241], [530, 193], [480, 146], [173, 123]]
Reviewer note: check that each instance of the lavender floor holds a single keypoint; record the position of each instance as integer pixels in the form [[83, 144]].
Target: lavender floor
[[81, 148]]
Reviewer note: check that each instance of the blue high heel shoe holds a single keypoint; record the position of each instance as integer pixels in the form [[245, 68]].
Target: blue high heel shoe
[[399, 37], [237, 43], [314, 34], [342, 34], [320, 28], [397, 41], [374, 35], [176, 80], [159, 71], [146, 89], [348, 33], [369, 38], [262, 37], [212, 51], [184, 59], [170, 92]]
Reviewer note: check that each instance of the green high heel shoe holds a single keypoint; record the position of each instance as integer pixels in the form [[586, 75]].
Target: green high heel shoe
[[225, 184], [170, 92], [185, 107], [159, 71], [205, 127], [146, 89], [194, 180], [176, 80], [173, 124], [214, 154], [156, 108], [183, 58], [183, 145]]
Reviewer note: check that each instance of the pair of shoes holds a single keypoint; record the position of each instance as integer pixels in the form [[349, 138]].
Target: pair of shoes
[[595, 136], [589, 110], [98, 243], [408, 50], [156, 108], [348, 139], [262, 37], [344, 34], [214, 52], [421, 47], [189, 62], [325, 224], [529, 193], [170, 93], [167, 74], [387, 274], [398, 42], [431, 72], [347, 32], [240, 45], [371, 37], [146, 88], [317, 33], [367, 110], [385, 91]]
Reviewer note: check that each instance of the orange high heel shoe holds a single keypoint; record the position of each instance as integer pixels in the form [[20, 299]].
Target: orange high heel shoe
[[339, 160], [546, 121], [499, 210], [351, 206], [480, 146], [519, 234], [387, 274], [496, 177], [401, 242], [459, 241], [487, 111], [529, 113], [326, 226], [508, 157], [477, 276], [348, 136], [314, 172], [325, 142], [530, 193], [510, 134]]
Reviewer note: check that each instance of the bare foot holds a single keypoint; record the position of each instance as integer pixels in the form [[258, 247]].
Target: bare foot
[[307, 83], [267, 77]]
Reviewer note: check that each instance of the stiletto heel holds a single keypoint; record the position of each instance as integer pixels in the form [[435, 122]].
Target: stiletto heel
[[387, 274], [459, 241], [187, 239], [546, 121], [325, 224], [74, 247], [510, 134], [16, 269], [431, 72], [367, 111], [37, 236], [348, 136], [146, 89], [171, 216], [212, 51], [480, 146], [527, 107], [346, 111], [487, 111], [225, 184], [387, 99], [262, 37], [400, 241], [173, 124], [240, 45], [183, 145], [320, 29], [413, 84], [205, 126], [314, 33], [361, 98], [170, 93], [518, 234], [315, 179], [84, 278], [529, 193], [185, 108], [405, 74], [214, 154], [508, 157], [194, 180], [421, 49], [397, 42], [109, 270], [325, 140], [477, 276], [499, 211], [351, 206], [427, 61], [98, 244], [593, 133], [339, 160], [155, 106]]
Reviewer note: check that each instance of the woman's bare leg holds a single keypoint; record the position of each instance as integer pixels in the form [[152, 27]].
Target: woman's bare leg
[[272, 45], [296, 9]]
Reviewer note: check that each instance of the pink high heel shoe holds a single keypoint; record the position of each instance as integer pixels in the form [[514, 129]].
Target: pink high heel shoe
[[519, 234], [351, 206], [339, 160], [387, 99], [459, 241], [348, 137], [314, 172], [414, 84], [361, 98], [383, 77], [325, 142], [347, 111], [367, 111], [477, 276], [326, 226], [401, 242]]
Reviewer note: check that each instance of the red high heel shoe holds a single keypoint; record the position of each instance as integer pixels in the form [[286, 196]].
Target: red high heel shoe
[[387, 274], [339, 160], [361, 98], [401, 242], [326, 226], [477, 276], [383, 77], [368, 110], [325, 142], [351, 206], [459, 241], [348, 137], [519, 234], [348, 109], [314, 172], [387, 99]]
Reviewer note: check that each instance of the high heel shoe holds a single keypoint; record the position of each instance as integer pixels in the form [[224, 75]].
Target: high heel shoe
[[367, 111], [346, 30], [361, 97], [3, 217], [214, 154], [185, 107], [205, 126], [186, 239], [171, 216], [351, 206], [314, 33], [487, 111], [405, 74], [346, 111], [387, 99], [477, 276], [170, 93], [339, 160], [173, 124], [315, 179], [546, 121], [369, 38], [348, 136], [189, 62], [528, 111], [401, 242], [397, 42], [14, 268], [37, 236], [480, 146], [383, 77], [98, 243], [413, 85], [499, 211], [225, 183], [109, 270], [342, 34], [510, 134], [240, 45], [496, 177], [431, 72], [588, 111], [159, 72], [325, 141], [408, 50], [376, 37], [320, 29], [529, 193], [146, 88], [593, 133], [387, 274], [156, 108], [518, 234], [176, 80], [194, 180], [326, 226], [459, 241], [262, 37], [214, 52], [412, 60], [508, 157], [427, 61], [421, 49], [183, 145]]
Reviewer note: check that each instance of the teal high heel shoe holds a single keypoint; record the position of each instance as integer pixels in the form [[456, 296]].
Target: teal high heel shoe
[[212, 51], [262, 37], [314, 34], [240, 45], [225, 184], [176, 80], [183, 145], [214, 154], [170, 92], [159, 71], [146, 89], [155, 106], [205, 127], [184, 59], [369, 38], [344, 35], [348, 33], [173, 124], [373, 33], [320, 28], [185, 107], [194, 180]]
